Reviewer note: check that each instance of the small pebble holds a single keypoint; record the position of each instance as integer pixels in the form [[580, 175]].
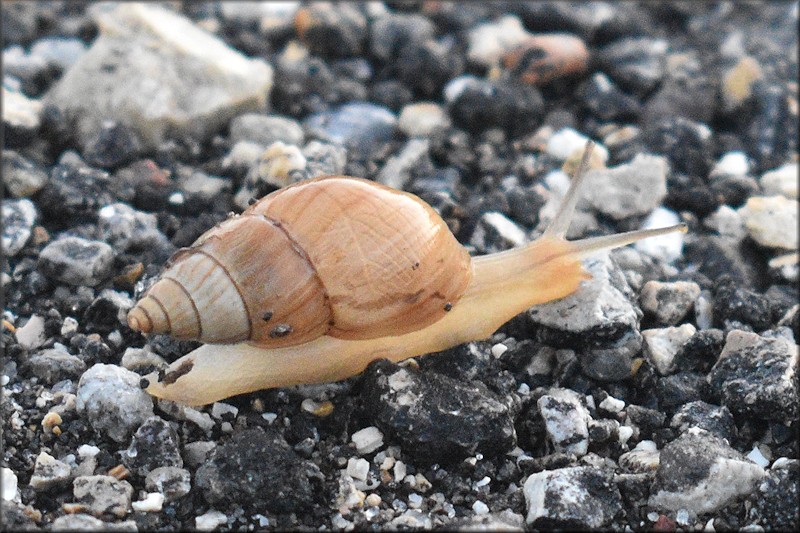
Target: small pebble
[[358, 468], [540, 59], [772, 221], [9, 484], [373, 500], [77, 261], [668, 248], [210, 521], [367, 440], [663, 344], [782, 180], [19, 217], [488, 42], [731, 164], [421, 119], [480, 508], [738, 82], [31, 335], [103, 494], [222, 410], [669, 302], [152, 503]]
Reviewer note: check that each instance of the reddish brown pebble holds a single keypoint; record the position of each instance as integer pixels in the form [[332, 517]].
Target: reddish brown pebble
[[544, 58]]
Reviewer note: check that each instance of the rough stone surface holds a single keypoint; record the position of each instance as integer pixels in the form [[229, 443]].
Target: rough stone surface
[[669, 302], [49, 472], [53, 365], [635, 188], [171, 481], [775, 501], [663, 344], [103, 495], [142, 71], [230, 474], [19, 217], [566, 420], [155, 444], [715, 419], [111, 399], [701, 473], [434, 417], [756, 376], [77, 261], [771, 221], [579, 497]]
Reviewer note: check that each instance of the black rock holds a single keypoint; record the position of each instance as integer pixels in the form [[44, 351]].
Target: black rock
[[648, 420], [678, 389], [734, 190], [734, 304], [754, 376], [74, 193], [426, 66], [436, 418], [332, 30], [773, 132], [259, 468], [699, 462], [515, 107], [155, 444], [390, 93], [114, 145], [701, 351], [611, 361], [467, 362], [713, 418], [687, 144], [392, 32], [775, 502], [636, 63], [606, 101]]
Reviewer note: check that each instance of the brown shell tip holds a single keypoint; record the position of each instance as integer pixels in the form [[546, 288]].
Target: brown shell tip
[[139, 321]]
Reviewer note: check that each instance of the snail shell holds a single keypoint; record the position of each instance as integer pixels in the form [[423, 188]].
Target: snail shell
[[337, 256]]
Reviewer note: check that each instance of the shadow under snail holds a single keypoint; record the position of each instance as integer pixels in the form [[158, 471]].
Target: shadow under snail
[[316, 280]]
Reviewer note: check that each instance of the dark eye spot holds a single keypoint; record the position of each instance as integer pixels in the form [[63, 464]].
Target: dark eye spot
[[448, 306], [281, 330], [266, 317]]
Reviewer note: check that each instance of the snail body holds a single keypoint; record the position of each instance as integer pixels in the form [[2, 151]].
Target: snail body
[[314, 281]]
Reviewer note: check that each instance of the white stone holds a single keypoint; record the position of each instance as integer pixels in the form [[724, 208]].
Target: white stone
[[152, 503], [358, 468], [69, 327], [757, 457], [87, 450], [421, 119], [630, 189], [612, 405], [480, 508], [732, 164], [210, 520], [667, 247], [727, 222], [488, 42], [458, 85], [399, 471], [367, 440], [219, 409], [499, 349], [662, 344], [9, 484], [783, 180], [625, 433], [566, 420], [771, 221], [567, 141], [31, 335]]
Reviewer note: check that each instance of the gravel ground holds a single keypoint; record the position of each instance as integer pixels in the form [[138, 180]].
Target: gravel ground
[[662, 395]]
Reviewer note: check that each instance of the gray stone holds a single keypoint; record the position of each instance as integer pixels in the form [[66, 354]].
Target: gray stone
[[85, 522], [21, 113], [77, 261], [495, 232], [171, 481], [631, 189], [663, 344], [668, 302], [357, 124], [155, 444], [58, 52], [103, 495], [600, 308], [111, 399], [266, 129], [715, 419], [49, 472], [277, 166], [21, 176], [771, 221], [782, 180], [19, 216], [701, 473], [324, 158], [156, 72], [399, 169], [566, 420], [579, 497], [126, 228], [755, 376], [53, 365]]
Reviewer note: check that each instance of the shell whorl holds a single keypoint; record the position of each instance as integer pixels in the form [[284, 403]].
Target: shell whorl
[[336, 255]]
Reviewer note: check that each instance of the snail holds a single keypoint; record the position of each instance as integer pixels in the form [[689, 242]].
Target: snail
[[316, 280]]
